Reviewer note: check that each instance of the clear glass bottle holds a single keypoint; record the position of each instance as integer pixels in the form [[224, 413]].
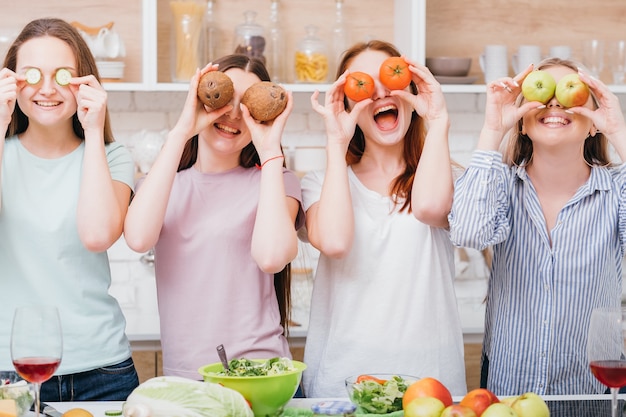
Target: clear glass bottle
[[276, 46], [340, 34], [250, 37], [186, 31], [212, 35], [311, 58]]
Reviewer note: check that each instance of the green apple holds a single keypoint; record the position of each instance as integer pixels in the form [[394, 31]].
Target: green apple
[[424, 407], [499, 410], [457, 410], [539, 85], [529, 405], [571, 91]]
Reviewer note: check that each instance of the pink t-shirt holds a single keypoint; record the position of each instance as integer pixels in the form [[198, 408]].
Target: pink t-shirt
[[210, 289]]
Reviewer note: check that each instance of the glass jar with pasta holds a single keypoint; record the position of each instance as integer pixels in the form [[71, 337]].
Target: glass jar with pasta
[[187, 47], [311, 58]]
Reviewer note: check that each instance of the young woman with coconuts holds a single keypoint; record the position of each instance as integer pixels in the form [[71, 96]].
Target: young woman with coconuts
[[541, 189], [222, 213]]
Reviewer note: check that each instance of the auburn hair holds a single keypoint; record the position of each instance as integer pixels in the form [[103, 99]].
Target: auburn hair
[[413, 140]]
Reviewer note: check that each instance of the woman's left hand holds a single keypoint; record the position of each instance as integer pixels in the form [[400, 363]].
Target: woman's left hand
[[91, 101], [267, 136], [608, 117], [429, 102]]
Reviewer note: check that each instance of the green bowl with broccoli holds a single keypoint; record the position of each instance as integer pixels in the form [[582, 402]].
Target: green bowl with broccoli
[[267, 384]]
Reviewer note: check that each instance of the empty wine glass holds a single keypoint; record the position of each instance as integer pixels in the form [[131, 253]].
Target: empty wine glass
[[593, 56], [617, 60], [605, 349], [36, 345]]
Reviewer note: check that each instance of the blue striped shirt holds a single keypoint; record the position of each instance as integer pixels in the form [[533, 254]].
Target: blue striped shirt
[[540, 296]]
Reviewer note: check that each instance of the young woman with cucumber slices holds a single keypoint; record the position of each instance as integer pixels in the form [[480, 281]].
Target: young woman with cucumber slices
[[65, 189]]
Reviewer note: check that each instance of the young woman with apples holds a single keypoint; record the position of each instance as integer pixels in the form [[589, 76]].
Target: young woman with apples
[[222, 213], [553, 206], [383, 297], [65, 189]]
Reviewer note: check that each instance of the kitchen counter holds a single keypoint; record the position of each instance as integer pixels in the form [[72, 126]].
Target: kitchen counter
[[560, 405]]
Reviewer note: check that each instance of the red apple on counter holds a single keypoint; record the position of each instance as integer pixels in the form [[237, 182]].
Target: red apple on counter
[[571, 91], [528, 404], [427, 387], [457, 410], [539, 86], [424, 407], [478, 400], [499, 410]]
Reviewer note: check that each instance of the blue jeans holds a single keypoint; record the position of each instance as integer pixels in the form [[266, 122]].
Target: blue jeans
[[109, 383]]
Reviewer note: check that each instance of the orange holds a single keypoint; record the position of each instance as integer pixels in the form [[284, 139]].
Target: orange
[[77, 412], [427, 387]]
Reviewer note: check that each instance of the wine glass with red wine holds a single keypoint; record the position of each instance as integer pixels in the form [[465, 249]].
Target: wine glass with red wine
[[605, 349], [36, 345]]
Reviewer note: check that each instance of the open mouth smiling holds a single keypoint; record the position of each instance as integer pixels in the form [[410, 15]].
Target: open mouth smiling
[[386, 117], [47, 103], [227, 129], [555, 120]]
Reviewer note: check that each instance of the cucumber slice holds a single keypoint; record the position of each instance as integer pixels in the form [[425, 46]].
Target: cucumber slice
[[33, 76], [62, 77], [113, 413]]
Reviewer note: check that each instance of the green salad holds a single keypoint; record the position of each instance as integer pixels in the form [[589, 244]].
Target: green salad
[[247, 367], [378, 396]]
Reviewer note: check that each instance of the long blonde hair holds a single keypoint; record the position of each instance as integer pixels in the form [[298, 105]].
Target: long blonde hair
[[519, 147]]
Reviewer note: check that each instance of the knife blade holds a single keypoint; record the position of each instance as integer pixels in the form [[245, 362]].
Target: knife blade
[[50, 411]]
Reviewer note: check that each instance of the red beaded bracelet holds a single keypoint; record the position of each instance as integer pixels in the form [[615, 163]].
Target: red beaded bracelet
[[267, 160]]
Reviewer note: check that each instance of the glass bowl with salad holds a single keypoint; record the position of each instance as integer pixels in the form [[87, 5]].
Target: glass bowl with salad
[[267, 384], [12, 387], [378, 393]]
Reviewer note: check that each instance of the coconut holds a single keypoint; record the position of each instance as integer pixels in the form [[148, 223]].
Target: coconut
[[215, 89], [265, 100]]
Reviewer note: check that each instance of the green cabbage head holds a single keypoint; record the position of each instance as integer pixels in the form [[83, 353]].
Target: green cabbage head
[[167, 396]]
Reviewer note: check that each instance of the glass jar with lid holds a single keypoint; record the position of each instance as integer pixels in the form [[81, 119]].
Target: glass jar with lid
[[250, 37], [311, 60], [186, 55], [212, 35], [276, 45]]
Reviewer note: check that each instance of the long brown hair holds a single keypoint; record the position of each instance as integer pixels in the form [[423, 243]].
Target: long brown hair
[[85, 65], [519, 148], [248, 158], [413, 140]]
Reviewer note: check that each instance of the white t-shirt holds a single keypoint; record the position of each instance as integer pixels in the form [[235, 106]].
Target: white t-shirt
[[42, 260], [389, 306], [210, 289]]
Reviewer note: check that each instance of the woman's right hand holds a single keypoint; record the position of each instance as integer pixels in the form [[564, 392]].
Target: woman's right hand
[[195, 116], [8, 95], [501, 109], [340, 124]]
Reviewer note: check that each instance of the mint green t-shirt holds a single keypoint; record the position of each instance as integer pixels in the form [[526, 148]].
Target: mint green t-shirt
[[42, 260]]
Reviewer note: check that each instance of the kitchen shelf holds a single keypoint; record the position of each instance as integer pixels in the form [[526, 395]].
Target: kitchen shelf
[[408, 32]]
